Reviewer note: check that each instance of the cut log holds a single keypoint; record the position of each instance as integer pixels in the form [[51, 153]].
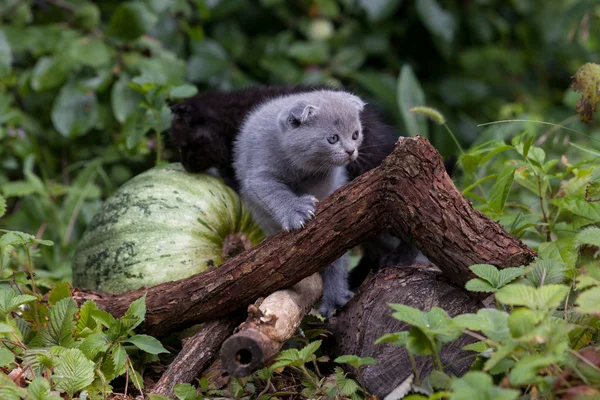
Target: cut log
[[410, 195], [198, 350], [368, 316], [269, 326]]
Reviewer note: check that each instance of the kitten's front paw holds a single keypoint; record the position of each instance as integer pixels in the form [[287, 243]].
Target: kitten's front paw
[[299, 213], [331, 302]]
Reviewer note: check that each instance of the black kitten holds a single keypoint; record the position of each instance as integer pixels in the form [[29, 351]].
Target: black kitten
[[204, 128]]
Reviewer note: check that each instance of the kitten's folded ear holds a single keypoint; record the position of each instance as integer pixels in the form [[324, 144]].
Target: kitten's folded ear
[[296, 115], [357, 101]]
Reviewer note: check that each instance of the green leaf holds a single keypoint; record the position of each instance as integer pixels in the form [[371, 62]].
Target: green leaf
[[153, 396], [487, 272], [546, 297], [492, 323], [309, 52], [507, 275], [6, 357], [183, 91], [501, 189], [131, 20], [355, 361], [348, 60], [562, 250], [592, 190], [60, 327], [102, 317], [410, 94], [74, 112], [6, 328], [410, 315], [439, 380], [397, 338], [185, 391], [89, 51], [61, 291], [522, 322], [48, 73], [589, 301], [2, 206], [525, 371], [589, 236], [73, 371], [346, 386], [39, 389], [119, 359], [8, 389], [136, 313], [478, 347], [209, 59], [9, 300], [378, 10], [440, 23], [94, 344], [124, 100], [479, 385], [147, 344], [546, 272], [86, 319], [309, 350], [5, 55]]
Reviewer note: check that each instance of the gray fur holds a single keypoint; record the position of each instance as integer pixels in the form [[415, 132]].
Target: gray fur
[[285, 165]]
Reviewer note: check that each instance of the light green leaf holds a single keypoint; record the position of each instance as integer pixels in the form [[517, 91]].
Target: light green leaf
[[378, 10], [8, 389], [183, 91], [479, 385], [525, 371], [85, 319], [522, 322], [410, 94], [102, 317], [355, 361], [487, 272], [209, 59], [589, 301], [507, 275], [131, 20], [185, 391], [410, 315], [39, 389], [589, 236], [6, 357], [153, 396], [124, 100], [9, 300], [309, 350], [478, 347], [501, 189], [440, 23], [2, 206], [6, 328], [579, 207], [588, 150], [89, 51], [119, 359], [61, 291], [48, 73], [346, 386], [136, 313], [592, 190], [546, 297], [491, 322], [546, 272], [94, 344], [74, 112], [439, 380], [73, 371], [397, 338], [147, 344], [60, 327], [5, 55]]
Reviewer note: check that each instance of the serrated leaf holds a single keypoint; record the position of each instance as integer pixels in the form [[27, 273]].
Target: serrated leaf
[[119, 359], [60, 327], [73, 371], [479, 385], [147, 344], [136, 313], [9, 300], [410, 315], [589, 301], [39, 389], [508, 275], [439, 380], [355, 361], [589, 236], [6, 357], [546, 297], [501, 189], [546, 272], [526, 369], [410, 94], [185, 391], [479, 285], [153, 396], [61, 291], [309, 350], [492, 323], [2, 206], [522, 322], [136, 378], [396, 338], [86, 319], [94, 344], [478, 347], [18, 189], [8, 389], [102, 317], [487, 272], [346, 386], [592, 190]]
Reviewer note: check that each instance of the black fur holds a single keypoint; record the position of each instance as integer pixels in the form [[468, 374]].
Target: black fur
[[204, 128]]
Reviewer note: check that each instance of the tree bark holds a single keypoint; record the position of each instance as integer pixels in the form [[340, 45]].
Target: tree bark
[[198, 350], [368, 316], [269, 326], [410, 195]]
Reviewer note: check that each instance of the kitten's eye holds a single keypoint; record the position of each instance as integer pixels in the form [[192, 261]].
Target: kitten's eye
[[355, 135], [333, 139]]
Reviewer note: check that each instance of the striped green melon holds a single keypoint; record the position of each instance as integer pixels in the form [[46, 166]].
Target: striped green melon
[[163, 225]]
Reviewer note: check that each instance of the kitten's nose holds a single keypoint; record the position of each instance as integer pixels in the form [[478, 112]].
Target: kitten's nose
[[352, 154]]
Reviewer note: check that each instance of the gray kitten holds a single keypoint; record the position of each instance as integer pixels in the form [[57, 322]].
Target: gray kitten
[[290, 153]]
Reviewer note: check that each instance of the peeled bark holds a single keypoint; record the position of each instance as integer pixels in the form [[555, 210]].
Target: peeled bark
[[269, 326], [410, 195]]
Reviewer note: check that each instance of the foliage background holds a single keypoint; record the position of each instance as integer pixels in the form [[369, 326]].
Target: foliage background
[[83, 85]]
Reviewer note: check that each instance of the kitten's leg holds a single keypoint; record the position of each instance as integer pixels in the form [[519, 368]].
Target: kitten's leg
[[335, 286], [288, 210]]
